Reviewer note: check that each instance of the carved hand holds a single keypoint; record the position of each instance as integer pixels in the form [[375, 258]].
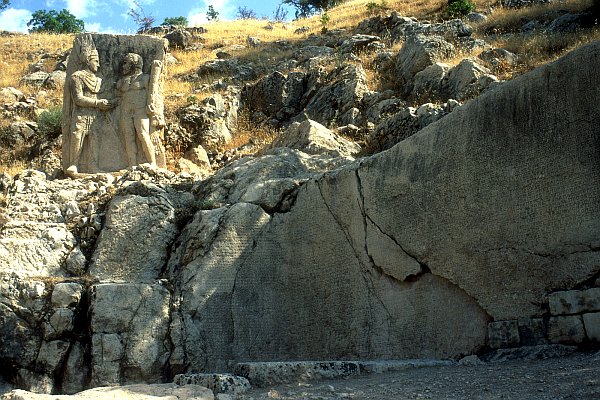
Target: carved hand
[[105, 105]]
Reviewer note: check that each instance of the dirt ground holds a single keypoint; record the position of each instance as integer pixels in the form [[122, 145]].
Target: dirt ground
[[573, 377]]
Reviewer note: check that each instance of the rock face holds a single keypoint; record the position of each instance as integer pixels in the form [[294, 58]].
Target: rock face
[[441, 232], [481, 230]]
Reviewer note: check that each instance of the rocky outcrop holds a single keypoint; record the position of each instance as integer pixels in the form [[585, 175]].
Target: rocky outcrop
[[313, 138], [471, 233], [443, 231]]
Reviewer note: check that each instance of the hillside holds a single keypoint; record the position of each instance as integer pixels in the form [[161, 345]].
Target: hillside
[[384, 194], [529, 33]]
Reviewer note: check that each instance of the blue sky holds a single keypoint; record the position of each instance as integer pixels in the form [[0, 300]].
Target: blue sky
[[110, 16]]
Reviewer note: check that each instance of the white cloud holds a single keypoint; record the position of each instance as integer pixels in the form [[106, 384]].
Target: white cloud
[[197, 16], [15, 20], [97, 27], [81, 8]]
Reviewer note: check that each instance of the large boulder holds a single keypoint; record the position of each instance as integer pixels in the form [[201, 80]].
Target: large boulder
[[418, 53], [313, 138], [276, 95], [466, 80], [340, 92], [134, 222], [269, 181], [129, 327]]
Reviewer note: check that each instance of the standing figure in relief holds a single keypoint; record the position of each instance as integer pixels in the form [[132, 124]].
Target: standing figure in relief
[[83, 107], [136, 110]]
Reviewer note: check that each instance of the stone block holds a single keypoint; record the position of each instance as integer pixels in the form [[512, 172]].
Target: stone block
[[52, 355], [61, 321], [591, 322], [566, 329], [107, 352], [66, 295], [218, 383], [503, 334], [130, 325], [574, 301], [532, 331]]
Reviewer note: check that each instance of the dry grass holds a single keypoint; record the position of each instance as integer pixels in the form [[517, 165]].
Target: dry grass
[[502, 29], [510, 20], [19, 51], [251, 137]]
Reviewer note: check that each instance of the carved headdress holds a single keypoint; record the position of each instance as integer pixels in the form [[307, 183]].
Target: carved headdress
[[87, 48]]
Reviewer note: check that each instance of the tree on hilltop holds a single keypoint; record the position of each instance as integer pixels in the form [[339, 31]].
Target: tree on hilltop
[[176, 21], [4, 4], [211, 13], [244, 12], [55, 22], [306, 8]]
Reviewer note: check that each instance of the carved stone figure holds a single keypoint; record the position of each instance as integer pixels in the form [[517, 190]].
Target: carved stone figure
[[82, 104], [105, 71], [137, 108]]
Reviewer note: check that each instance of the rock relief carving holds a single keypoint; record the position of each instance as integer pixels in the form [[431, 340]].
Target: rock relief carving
[[113, 110]]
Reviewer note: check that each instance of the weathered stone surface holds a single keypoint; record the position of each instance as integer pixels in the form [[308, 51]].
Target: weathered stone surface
[[532, 331], [35, 239], [418, 53], [529, 353], [52, 355], [210, 123], [22, 303], [179, 39], [131, 392], [498, 58], [574, 301], [402, 125], [218, 383], [76, 371], [466, 80], [313, 138], [36, 78], [129, 323], [460, 202], [312, 52], [66, 294], [230, 68], [591, 322], [357, 43], [134, 222], [213, 249], [59, 323], [344, 89], [503, 334], [398, 27], [277, 95], [428, 82], [99, 133], [267, 180], [567, 330], [10, 95], [199, 156]]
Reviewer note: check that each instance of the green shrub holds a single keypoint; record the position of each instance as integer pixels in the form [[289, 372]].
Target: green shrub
[[49, 123], [375, 8], [460, 8]]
